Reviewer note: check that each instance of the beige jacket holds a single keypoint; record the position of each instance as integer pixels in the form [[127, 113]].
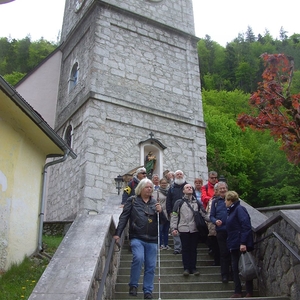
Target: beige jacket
[[211, 227], [162, 200], [185, 216]]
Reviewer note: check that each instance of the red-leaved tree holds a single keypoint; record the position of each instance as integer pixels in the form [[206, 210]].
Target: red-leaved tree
[[274, 107]]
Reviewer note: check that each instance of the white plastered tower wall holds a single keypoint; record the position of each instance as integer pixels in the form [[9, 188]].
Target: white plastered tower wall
[[138, 74]]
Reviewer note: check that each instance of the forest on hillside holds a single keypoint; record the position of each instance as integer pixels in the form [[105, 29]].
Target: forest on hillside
[[251, 161], [18, 57]]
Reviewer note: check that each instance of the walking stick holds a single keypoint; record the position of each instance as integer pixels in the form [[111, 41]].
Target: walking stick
[[158, 249]]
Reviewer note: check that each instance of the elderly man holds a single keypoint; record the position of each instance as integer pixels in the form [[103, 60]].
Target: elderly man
[[176, 192], [132, 184], [218, 216], [155, 180]]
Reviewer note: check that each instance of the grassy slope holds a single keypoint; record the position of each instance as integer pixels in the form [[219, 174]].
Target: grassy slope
[[19, 281]]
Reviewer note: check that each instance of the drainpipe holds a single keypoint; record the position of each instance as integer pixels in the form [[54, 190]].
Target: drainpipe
[[41, 215]]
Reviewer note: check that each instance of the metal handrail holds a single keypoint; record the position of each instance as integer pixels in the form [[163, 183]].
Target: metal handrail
[[107, 264], [282, 241]]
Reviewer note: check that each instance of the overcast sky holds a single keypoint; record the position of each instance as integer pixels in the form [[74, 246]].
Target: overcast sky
[[221, 20]]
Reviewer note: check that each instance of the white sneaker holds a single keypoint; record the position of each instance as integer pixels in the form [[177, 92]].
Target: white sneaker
[[162, 247], [168, 247]]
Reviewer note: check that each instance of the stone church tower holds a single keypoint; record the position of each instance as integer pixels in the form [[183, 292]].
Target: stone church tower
[[129, 84]]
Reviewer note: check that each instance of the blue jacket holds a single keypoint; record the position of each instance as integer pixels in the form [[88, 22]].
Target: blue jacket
[[219, 212], [238, 227]]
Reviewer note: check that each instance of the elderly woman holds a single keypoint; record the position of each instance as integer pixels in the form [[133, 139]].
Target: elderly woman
[[198, 183], [183, 223], [141, 211], [160, 196], [240, 239]]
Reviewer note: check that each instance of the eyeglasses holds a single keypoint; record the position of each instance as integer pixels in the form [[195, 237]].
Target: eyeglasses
[[144, 173], [213, 177]]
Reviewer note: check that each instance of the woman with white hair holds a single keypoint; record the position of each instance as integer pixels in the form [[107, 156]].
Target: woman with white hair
[[141, 212]]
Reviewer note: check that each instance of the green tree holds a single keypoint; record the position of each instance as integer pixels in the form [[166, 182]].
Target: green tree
[[38, 51], [250, 37], [251, 161], [22, 54], [18, 57], [14, 77], [274, 108]]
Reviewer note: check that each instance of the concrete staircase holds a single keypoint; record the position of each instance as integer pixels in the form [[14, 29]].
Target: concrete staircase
[[173, 285]]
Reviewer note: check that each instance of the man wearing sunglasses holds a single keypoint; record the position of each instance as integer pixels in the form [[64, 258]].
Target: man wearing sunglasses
[[132, 184], [207, 190]]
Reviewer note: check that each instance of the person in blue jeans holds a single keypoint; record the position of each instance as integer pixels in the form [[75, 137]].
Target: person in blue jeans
[[141, 212]]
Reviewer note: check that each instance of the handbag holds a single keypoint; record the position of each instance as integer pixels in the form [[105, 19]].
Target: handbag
[[247, 267], [200, 222]]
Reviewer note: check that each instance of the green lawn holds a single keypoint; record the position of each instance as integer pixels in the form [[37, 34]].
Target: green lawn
[[19, 281]]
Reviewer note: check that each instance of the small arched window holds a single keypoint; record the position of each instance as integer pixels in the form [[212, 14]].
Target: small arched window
[[74, 76], [68, 135]]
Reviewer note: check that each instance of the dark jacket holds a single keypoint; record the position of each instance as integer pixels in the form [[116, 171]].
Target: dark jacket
[[175, 192], [142, 219], [239, 228], [130, 189], [219, 212]]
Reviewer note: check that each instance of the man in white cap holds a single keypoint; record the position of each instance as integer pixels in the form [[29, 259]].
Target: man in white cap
[[132, 184]]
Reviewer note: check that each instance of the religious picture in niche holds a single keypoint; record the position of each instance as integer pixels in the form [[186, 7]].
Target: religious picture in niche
[[150, 162]]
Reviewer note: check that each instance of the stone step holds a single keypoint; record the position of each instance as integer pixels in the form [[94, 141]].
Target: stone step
[[187, 295], [168, 254], [173, 285], [166, 277], [184, 286], [172, 263], [194, 296], [178, 270]]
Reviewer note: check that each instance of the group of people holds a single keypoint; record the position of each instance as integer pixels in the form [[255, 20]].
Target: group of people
[[171, 201]]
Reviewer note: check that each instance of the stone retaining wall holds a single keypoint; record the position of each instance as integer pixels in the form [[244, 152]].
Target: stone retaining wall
[[279, 268], [76, 269], [56, 228]]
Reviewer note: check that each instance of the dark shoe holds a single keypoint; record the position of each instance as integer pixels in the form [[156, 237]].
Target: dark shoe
[[248, 295], [176, 252], [148, 296], [236, 296], [225, 279], [186, 273], [133, 291], [196, 272]]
